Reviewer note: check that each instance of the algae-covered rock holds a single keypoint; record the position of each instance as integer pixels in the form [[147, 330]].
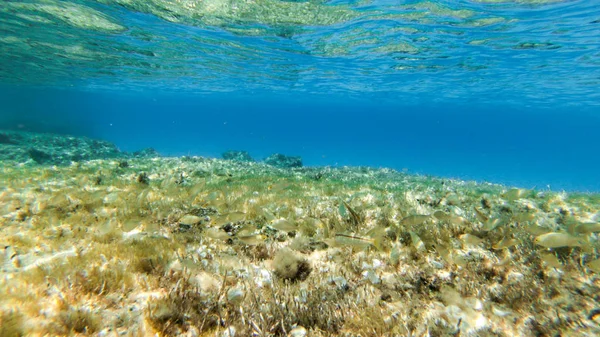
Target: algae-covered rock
[[56, 149], [146, 153], [5, 139], [39, 156], [53, 149], [290, 266], [237, 156], [283, 161]]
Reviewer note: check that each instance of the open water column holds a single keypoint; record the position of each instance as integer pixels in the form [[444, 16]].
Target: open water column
[[299, 168]]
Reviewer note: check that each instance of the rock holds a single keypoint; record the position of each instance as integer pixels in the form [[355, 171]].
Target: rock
[[146, 153], [237, 156], [53, 149], [290, 266], [298, 331], [283, 161], [6, 139], [39, 156]]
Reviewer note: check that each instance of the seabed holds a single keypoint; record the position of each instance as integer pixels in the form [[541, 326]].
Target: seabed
[[195, 246]]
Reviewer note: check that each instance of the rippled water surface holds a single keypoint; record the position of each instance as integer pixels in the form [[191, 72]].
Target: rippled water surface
[[544, 52], [502, 91]]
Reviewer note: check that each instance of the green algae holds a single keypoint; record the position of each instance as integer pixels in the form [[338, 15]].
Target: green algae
[[146, 248]]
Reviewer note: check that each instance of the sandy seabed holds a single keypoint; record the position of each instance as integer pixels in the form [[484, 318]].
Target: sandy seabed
[[204, 247]]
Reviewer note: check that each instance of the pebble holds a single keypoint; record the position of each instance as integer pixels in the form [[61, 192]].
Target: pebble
[[298, 331]]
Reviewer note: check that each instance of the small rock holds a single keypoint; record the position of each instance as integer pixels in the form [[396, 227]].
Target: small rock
[[146, 153], [282, 161], [290, 266], [229, 332], [238, 156], [298, 331], [235, 295]]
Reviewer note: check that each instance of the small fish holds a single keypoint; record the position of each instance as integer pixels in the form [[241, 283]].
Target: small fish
[[214, 199], [515, 194], [190, 220], [130, 224], [534, 229], [587, 227], [278, 187], [507, 259], [444, 253], [109, 226], [267, 214], [451, 218], [505, 243], [492, 224], [196, 189], [247, 230], [524, 217], [252, 240], [471, 239], [415, 219], [457, 220], [441, 215], [355, 216], [460, 259], [353, 241], [374, 238], [284, 225], [594, 265], [312, 222], [213, 196], [216, 234], [236, 216], [556, 240], [342, 210], [480, 215], [551, 260], [500, 311], [417, 242], [395, 254]]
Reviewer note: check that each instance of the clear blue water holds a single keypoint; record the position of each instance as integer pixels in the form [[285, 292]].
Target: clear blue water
[[501, 91]]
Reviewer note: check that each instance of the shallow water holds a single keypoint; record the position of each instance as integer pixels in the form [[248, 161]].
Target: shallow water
[[528, 53], [485, 90], [100, 238]]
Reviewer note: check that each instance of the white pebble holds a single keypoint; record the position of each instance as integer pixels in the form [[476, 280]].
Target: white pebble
[[298, 331], [235, 295], [371, 276], [229, 332]]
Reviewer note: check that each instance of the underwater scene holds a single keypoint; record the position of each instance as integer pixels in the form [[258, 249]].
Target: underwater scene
[[299, 168]]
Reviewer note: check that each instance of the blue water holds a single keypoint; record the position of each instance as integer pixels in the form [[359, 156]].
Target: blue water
[[504, 92]]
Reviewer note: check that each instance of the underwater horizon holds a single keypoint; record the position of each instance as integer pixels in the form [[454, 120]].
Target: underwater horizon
[[300, 168], [499, 91]]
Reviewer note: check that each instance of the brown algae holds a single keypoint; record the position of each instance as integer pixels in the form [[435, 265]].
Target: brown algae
[[206, 247]]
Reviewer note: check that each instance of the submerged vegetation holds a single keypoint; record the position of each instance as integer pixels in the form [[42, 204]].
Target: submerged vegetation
[[207, 247]]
